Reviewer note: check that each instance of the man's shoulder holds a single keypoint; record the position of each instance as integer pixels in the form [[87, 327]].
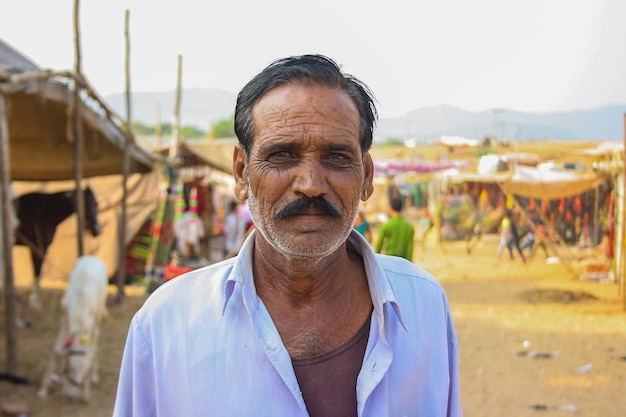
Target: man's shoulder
[[398, 269], [200, 285], [413, 288]]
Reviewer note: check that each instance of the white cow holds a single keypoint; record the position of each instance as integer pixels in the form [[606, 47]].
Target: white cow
[[84, 305]]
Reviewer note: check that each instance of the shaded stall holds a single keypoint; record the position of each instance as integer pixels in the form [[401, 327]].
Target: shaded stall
[[203, 169], [38, 105], [529, 187], [531, 183], [217, 154]]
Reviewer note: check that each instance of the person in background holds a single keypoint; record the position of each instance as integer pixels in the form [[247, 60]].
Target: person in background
[[516, 222], [362, 226], [232, 228], [395, 236], [540, 240], [506, 236], [528, 241], [509, 236], [189, 230], [425, 225], [307, 320]]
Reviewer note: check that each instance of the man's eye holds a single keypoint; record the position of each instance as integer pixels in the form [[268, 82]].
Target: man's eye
[[338, 159], [280, 156]]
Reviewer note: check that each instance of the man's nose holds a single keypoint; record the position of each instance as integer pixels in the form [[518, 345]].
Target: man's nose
[[310, 178]]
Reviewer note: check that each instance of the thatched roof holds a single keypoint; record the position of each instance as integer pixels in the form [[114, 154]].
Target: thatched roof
[[38, 112], [217, 154]]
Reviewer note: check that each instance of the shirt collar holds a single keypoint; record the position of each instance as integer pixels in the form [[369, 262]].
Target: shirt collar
[[379, 286], [380, 289], [242, 274]]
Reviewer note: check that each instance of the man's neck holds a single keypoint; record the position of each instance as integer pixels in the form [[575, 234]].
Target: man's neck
[[303, 280], [318, 301]]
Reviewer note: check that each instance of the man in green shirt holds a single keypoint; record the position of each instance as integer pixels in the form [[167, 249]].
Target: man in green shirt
[[396, 235]]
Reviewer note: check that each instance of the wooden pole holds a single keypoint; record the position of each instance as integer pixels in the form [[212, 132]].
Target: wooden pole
[[159, 136], [175, 135], [621, 272], [78, 137], [121, 269], [7, 242]]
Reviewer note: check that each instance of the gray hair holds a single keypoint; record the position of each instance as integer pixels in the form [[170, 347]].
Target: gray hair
[[317, 69]]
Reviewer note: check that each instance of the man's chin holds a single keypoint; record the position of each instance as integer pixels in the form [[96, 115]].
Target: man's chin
[[309, 246], [306, 255]]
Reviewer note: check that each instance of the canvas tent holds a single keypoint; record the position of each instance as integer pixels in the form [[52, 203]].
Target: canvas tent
[[530, 182], [526, 182], [143, 192], [534, 183], [38, 119], [217, 154], [38, 106]]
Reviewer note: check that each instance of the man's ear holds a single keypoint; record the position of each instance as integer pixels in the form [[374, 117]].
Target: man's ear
[[240, 161], [368, 181]]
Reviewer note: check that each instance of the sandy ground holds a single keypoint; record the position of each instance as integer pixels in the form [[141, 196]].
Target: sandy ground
[[533, 339]]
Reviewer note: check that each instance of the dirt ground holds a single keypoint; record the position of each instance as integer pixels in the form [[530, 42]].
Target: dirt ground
[[534, 340]]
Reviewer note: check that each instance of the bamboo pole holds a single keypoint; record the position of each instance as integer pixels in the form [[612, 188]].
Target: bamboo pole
[[121, 269], [621, 270], [175, 125], [159, 136], [154, 265], [78, 137], [77, 53], [7, 242]]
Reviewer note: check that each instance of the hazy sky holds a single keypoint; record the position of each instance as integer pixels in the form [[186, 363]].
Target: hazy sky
[[532, 55]]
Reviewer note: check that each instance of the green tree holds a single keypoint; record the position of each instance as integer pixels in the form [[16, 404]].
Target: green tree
[[185, 132], [394, 141], [224, 128], [166, 129], [192, 132], [141, 129]]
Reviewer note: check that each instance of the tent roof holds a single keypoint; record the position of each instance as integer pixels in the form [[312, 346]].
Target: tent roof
[[531, 182], [217, 153], [454, 176], [534, 183], [38, 113]]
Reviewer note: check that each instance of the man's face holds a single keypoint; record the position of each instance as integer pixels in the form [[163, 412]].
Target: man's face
[[305, 174]]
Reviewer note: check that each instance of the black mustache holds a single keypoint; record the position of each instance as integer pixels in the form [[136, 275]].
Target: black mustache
[[316, 203]]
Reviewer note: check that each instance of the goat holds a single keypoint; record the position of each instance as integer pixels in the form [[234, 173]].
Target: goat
[[76, 345]]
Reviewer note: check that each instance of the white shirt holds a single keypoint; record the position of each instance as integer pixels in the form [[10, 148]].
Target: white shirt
[[204, 344]]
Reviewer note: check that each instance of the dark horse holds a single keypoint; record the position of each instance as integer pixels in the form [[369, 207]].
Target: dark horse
[[39, 215]]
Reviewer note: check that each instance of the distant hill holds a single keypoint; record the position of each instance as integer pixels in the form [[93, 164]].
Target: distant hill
[[202, 106], [430, 123], [199, 106]]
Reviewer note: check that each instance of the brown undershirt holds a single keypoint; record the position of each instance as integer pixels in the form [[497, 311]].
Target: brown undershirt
[[328, 380]]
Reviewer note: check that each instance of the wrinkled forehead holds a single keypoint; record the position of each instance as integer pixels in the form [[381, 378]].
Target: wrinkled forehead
[[303, 90], [307, 106]]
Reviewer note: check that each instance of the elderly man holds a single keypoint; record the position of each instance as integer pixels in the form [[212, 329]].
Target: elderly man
[[307, 320]]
